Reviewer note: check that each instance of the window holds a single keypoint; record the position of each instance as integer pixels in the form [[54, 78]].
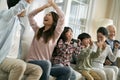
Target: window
[[76, 13]]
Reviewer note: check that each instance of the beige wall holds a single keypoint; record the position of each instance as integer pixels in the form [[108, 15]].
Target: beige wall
[[109, 6], [101, 11]]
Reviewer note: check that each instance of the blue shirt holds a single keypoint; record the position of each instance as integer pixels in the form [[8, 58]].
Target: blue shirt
[[8, 27]]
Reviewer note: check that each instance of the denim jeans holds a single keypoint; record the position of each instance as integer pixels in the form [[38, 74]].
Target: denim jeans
[[61, 72], [46, 67], [73, 75]]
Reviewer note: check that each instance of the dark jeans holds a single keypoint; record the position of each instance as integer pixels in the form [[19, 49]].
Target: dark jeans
[[73, 75], [61, 72], [46, 67]]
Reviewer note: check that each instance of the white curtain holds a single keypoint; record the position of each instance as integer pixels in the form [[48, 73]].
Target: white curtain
[[115, 15], [3, 5], [90, 16]]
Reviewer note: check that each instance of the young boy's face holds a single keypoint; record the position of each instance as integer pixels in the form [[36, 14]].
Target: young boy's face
[[85, 42]]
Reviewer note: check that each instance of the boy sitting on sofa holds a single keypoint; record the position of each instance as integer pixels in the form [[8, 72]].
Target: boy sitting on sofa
[[83, 64]]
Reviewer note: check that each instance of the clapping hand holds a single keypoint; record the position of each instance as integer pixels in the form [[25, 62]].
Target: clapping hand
[[91, 42], [50, 2], [101, 45], [116, 44]]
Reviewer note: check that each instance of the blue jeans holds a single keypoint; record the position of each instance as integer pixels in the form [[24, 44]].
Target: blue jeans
[[73, 75], [60, 72], [46, 67]]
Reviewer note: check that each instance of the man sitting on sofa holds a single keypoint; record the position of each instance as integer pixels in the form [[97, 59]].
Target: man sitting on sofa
[[9, 25]]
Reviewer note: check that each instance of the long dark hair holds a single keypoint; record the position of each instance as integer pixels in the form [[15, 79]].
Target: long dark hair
[[103, 30], [49, 33], [63, 37]]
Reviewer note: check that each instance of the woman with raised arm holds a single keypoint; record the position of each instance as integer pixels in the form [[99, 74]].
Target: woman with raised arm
[[45, 39]]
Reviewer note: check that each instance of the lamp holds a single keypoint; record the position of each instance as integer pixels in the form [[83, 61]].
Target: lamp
[[105, 22]]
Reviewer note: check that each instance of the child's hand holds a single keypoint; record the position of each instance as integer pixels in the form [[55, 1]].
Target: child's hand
[[79, 42], [117, 45], [107, 62], [91, 42]]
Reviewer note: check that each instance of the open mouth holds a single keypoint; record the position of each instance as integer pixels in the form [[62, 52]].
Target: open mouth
[[45, 19]]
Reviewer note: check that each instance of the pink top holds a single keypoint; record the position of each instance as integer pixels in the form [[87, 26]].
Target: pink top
[[40, 50]]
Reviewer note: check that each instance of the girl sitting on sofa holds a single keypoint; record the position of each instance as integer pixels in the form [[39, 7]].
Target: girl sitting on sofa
[[64, 49]]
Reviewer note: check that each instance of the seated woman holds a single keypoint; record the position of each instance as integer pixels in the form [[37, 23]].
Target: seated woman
[[98, 62], [64, 49], [45, 39]]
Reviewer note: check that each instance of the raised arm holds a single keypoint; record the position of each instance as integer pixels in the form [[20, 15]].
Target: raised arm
[[15, 10], [113, 55], [60, 22], [35, 12], [58, 10], [96, 49]]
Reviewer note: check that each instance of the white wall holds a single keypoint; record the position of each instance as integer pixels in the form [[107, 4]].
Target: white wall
[[3, 5]]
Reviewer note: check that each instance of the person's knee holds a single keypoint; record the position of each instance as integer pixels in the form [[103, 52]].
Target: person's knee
[[38, 70], [101, 73], [47, 64], [116, 69], [20, 66], [110, 72], [95, 75], [67, 71]]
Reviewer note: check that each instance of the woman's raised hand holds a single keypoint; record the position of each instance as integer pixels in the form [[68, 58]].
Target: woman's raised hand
[[50, 1], [101, 45]]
